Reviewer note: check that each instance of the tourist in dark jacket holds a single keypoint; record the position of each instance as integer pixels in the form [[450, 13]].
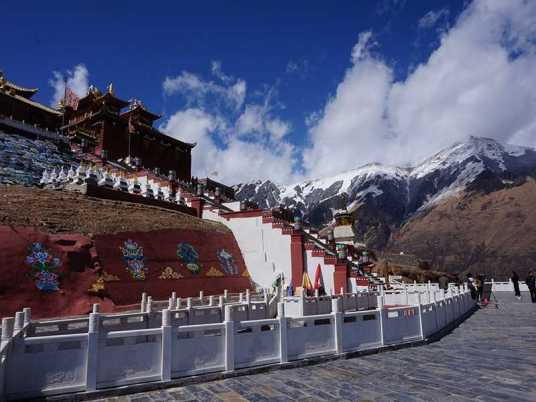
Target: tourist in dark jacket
[[515, 282], [531, 284]]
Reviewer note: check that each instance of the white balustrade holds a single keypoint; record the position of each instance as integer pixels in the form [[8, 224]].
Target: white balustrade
[[107, 350]]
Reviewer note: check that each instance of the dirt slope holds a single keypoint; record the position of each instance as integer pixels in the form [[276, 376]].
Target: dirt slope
[[492, 233]]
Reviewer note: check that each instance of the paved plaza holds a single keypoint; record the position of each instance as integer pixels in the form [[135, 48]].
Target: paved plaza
[[489, 357]]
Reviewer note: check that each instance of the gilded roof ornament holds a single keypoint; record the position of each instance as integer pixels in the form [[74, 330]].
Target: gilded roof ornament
[[110, 89]]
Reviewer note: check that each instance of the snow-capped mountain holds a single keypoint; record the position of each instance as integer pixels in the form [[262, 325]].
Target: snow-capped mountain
[[392, 194]]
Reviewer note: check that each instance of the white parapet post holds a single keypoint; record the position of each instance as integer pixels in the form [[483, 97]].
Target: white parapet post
[[211, 301], [149, 307], [96, 308], [406, 298], [302, 303], [27, 315], [337, 323], [7, 335], [92, 352], [419, 310], [174, 297], [167, 345], [201, 296], [380, 310], [283, 330], [178, 303], [189, 309], [171, 303], [241, 297], [143, 304], [225, 294], [19, 321], [229, 339]]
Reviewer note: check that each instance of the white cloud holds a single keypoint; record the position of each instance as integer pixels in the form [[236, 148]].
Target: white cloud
[[479, 81], [231, 92], [76, 80], [431, 18], [238, 160], [240, 140]]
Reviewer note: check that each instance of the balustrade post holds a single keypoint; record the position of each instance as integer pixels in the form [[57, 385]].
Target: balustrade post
[[189, 309], [19, 321], [178, 303], [167, 345], [337, 322], [419, 309], [406, 297], [143, 304], [171, 303], [283, 331], [174, 297], [380, 309], [201, 296], [225, 294], [27, 315], [92, 351], [229, 339], [7, 334]]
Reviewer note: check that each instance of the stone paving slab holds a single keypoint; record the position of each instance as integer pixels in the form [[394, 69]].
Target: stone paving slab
[[489, 357]]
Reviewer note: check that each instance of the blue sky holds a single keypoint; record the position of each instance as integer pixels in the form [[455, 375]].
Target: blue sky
[[291, 57]]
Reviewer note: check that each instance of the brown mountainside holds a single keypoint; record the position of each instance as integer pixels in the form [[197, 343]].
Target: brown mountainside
[[491, 233]]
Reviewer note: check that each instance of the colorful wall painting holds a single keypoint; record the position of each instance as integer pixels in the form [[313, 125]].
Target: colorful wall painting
[[169, 273], [186, 252], [227, 262], [134, 259], [43, 267], [214, 272]]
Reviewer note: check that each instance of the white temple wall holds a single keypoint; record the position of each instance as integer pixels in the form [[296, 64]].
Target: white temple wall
[[266, 250]]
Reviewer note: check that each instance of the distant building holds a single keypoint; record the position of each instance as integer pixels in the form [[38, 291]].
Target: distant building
[[20, 114], [97, 124]]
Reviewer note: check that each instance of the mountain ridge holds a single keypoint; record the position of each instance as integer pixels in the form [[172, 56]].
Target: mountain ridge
[[394, 194]]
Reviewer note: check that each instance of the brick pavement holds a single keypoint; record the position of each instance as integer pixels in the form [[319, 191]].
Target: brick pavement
[[489, 357]]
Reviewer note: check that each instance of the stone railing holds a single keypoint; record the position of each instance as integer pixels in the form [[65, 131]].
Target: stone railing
[[109, 353]]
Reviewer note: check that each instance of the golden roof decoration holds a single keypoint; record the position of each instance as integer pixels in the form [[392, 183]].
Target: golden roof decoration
[[110, 89], [245, 274]]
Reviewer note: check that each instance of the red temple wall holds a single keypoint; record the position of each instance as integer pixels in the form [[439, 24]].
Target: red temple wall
[[78, 254]]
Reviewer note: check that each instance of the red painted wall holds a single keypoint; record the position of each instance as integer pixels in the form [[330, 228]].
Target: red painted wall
[[160, 251], [78, 255]]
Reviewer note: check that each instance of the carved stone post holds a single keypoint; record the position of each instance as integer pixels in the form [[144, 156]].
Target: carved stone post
[[229, 339], [283, 330], [92, 352], [167, 345]]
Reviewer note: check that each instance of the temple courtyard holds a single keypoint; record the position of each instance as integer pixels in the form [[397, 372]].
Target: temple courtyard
[[489, 357]]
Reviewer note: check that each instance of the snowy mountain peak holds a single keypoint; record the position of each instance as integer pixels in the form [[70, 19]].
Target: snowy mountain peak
[[398, 192]]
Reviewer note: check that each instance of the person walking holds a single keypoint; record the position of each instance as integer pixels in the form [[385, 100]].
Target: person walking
[[515, 282], [531, 284]]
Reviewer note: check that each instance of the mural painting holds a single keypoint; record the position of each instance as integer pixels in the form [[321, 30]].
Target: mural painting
[[43, 267], [134, 259], [227, 262], [187, 254]]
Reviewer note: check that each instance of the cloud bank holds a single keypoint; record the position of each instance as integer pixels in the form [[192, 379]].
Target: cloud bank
[[240, 137], [479, 81]]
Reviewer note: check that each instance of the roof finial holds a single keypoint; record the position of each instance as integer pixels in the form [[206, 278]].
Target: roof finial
[[111, 89]]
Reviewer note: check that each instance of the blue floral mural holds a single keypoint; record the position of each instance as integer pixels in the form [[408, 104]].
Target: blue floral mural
[[186, 252], [227, 262], [134, 259], [43, 268]]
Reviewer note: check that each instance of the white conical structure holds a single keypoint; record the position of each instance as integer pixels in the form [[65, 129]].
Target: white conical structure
[[53, 177], [44, 177], [147, 191], [62, 176], [80, 175], [71, 174]]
